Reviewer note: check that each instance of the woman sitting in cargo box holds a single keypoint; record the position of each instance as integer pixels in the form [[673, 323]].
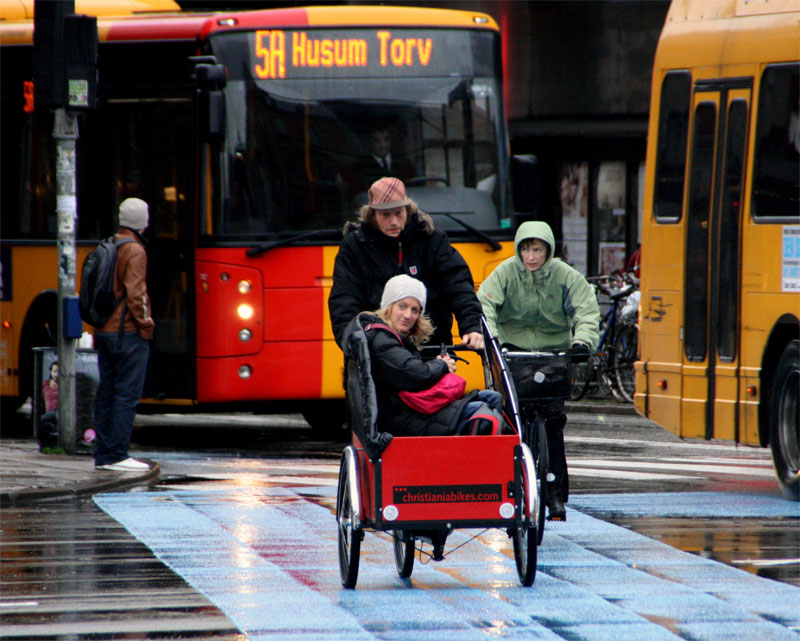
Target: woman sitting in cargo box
[[394, 333]]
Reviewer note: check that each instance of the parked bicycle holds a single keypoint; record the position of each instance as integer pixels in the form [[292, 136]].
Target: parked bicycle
[[611, 368]]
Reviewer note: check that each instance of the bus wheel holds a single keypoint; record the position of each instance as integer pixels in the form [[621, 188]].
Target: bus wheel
[[784, 418], [39, 330], [327, 420]]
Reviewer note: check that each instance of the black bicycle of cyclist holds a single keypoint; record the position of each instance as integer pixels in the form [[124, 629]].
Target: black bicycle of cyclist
[[539, 378]]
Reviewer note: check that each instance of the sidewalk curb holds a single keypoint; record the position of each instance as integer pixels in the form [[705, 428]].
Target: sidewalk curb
[[580, 407], [101, 484], [85, 481]]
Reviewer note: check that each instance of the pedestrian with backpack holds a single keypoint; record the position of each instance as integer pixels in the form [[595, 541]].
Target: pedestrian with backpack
[[122, 344]]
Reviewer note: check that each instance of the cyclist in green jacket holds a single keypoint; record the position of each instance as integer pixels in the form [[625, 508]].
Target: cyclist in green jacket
[[534, 301]]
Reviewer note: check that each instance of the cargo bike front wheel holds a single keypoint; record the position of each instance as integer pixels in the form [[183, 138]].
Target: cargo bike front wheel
[[348, 518], [526, 536]]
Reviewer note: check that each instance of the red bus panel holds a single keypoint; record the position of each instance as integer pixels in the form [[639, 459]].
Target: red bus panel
[[282, 293]]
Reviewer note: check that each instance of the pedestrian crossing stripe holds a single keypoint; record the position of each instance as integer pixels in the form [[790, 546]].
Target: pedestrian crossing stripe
[[652, 466]]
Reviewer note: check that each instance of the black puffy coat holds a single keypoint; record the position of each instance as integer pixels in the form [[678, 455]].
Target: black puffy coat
[[368, 258], [398, 366]]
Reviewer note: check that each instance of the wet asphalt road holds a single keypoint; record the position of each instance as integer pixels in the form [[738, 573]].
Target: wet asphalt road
[[239, 535]]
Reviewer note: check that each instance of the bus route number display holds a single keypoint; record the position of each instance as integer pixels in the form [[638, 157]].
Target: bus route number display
[[280, 54]]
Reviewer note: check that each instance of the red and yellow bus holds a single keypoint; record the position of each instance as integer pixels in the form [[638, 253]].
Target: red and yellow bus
[[249, 178], [720, 312]]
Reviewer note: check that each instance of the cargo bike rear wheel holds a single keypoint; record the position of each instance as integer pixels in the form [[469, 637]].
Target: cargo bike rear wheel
[[404, 546]]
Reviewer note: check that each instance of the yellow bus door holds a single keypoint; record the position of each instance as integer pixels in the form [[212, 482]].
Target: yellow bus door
[[712, 250]]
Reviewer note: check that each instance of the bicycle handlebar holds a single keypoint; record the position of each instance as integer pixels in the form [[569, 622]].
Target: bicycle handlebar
[[622, 293], [548, 355], [602, 283], [429, 351]]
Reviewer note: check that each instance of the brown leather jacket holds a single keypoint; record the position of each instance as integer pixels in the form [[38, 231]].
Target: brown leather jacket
[[130, 279]]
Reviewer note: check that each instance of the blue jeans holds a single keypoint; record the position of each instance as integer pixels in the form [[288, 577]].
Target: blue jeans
[[491, 398], [123, 365]]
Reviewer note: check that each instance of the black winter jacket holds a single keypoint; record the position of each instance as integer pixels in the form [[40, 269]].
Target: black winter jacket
[[368, 258], [397, 367]]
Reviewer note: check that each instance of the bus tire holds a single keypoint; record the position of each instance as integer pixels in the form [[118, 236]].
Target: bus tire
[[784, 421], [40, 329], [328, 419]]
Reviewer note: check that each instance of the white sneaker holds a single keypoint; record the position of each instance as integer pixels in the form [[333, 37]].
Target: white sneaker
[[128, 465]]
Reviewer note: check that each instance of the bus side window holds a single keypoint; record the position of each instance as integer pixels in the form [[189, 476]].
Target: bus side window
[[776, 176], [673, 134]]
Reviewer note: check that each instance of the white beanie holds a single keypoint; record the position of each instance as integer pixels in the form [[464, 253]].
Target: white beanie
[[400, 287], [133, 213]]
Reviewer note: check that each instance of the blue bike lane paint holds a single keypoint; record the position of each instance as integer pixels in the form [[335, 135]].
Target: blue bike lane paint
[[267, 558]]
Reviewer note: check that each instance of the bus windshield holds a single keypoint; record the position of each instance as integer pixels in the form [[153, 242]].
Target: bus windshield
[[314, 117]]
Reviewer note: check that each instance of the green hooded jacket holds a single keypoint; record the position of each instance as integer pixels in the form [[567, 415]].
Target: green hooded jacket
[[549, 309]]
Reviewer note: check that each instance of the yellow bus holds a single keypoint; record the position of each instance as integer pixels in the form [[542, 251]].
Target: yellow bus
[[247, 207], [720, 308]]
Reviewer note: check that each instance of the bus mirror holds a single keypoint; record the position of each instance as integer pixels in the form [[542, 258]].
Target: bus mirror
[[211, 79], [525, 182], [212, 116]]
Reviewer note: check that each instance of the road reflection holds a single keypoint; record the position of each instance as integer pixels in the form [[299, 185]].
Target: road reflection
[[69, 571], [764, 547]]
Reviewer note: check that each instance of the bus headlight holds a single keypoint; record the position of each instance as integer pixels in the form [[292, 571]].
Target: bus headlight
[[244, 286], [245, 334], [245, 311], [245, 371]]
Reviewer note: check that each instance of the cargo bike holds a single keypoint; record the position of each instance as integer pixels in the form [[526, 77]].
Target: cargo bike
[[420, 489]]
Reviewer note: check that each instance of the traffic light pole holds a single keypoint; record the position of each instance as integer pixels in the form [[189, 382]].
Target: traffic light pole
[[65, 132]]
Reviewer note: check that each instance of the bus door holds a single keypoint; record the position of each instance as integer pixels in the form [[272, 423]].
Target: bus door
[[151, 159], [712, 249]]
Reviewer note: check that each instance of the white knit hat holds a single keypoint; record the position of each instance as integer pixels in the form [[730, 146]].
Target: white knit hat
[[133, 213], [400, 287]]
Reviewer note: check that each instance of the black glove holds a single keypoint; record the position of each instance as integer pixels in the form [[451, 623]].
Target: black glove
[[580, 353]]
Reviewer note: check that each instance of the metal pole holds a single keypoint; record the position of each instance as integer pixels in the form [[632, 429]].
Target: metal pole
[[65, 132]]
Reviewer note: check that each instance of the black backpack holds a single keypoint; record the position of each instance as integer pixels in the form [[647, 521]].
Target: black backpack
[[97, 300], [484, 421]]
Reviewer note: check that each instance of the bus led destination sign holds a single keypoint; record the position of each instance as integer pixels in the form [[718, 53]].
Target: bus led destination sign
[[281, 54]]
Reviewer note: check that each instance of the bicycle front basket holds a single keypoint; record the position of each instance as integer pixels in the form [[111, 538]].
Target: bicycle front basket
[[540, 376]]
